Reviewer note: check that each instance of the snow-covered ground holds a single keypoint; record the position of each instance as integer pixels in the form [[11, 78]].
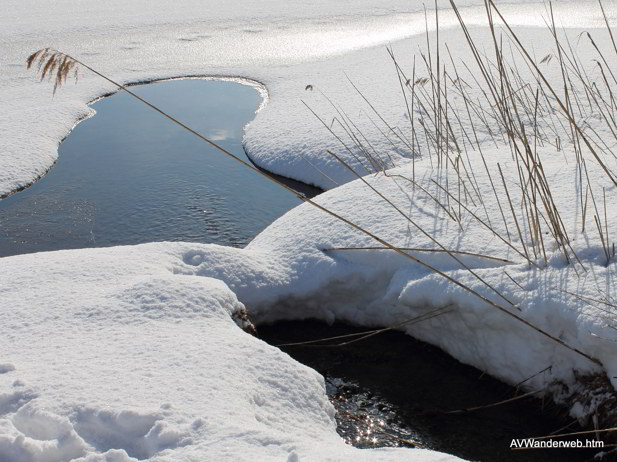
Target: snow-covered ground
[[116, 355], [132, 352]]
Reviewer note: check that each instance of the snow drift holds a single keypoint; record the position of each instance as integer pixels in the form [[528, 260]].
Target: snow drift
[[115, 355]]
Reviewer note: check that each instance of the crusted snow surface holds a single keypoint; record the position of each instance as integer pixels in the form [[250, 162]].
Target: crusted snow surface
[[112, 355]]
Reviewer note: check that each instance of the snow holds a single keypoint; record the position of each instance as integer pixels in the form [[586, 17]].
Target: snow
[[378, 287], [116, 355], [132, 353]]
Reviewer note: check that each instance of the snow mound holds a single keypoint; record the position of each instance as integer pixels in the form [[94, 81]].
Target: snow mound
[[115, 356]]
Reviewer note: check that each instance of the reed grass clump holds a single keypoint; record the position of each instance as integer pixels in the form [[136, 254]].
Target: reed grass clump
[[508, 97]]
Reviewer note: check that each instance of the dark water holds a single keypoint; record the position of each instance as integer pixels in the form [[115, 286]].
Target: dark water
[[391, 390], [127, 176]]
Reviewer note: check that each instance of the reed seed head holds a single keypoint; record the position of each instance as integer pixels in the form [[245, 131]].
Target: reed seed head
[[53, 64]]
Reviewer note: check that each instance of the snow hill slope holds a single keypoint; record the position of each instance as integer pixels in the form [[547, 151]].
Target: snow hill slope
[[114, 355]]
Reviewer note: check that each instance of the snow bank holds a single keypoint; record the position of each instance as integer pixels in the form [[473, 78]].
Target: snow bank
[[131, 352], [288, 137], [111, 355], [379, 287]]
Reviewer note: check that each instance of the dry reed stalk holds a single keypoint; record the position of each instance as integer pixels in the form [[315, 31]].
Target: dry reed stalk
[[490, 228], [370, 333], [419, 249], [608, 26], [422, 230], [499, 403], [558, 100]]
